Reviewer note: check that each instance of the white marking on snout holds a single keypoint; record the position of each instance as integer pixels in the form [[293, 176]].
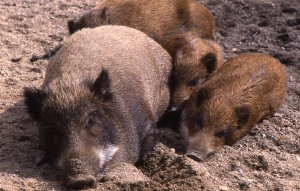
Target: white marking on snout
[[106, 154]]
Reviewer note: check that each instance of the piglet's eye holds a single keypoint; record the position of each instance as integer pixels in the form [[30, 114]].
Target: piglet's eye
[[194, 81], [222, 134]]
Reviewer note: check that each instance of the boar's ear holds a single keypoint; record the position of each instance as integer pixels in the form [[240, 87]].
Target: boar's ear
[[34, 100], [72, 26], [210, 62], [101, 86], [202, 95], [242, 114]]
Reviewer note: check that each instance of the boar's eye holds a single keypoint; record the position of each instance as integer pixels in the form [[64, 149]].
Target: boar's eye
[[222, 134], [194, 81], [91, 123], [91, 120]]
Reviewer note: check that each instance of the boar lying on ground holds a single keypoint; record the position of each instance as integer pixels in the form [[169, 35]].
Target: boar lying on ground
[[103, 92], [185, 28], [245, 90]]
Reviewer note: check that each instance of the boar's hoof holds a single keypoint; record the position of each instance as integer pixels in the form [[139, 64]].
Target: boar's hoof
[[195, 156], [81, 182]]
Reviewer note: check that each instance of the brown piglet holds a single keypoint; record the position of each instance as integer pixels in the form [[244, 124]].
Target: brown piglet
[[245, 90]]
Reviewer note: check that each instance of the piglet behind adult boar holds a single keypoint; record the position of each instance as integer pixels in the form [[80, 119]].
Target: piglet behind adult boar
[[103, 92]]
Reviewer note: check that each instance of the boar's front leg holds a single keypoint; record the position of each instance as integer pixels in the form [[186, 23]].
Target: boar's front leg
[[148, 138]]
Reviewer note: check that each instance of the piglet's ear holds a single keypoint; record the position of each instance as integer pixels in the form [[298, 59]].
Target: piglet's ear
[[210, 62], [103, 13], [34, 100], [101, 86], [202, 95], [242, 114]]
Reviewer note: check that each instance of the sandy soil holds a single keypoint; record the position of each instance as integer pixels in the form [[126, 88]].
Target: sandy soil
[[267, 159]]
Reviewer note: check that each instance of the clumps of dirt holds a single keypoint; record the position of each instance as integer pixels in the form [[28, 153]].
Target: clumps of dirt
[[173, 171], [162, 169], [171, 139], [257, 162]]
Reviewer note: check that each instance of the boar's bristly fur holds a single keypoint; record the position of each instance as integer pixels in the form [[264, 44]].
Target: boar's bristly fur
[[245, 90], [103, 93]]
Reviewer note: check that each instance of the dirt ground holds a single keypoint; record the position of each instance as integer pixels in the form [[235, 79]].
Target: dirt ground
[[267, 159]]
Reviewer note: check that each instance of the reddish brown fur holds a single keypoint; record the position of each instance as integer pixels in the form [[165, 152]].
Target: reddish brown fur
[[178, 25], [194, 63], [245, 90], [158, 19]]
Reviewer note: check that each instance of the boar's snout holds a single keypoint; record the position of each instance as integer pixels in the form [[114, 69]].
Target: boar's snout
[[77, 176], [80, 182], [200, 157]]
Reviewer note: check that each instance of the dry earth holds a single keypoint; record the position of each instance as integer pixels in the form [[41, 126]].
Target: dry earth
[[266, 159]]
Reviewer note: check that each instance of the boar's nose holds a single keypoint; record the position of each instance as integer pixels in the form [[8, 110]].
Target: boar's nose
[[195, 156], [81, 182]]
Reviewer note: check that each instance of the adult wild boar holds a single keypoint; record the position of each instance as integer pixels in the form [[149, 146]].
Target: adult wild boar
[[103, 92], [185, 28], [245, 90]]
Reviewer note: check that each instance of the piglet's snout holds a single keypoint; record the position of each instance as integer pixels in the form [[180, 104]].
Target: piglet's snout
[[200, 157], [195, 156]]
